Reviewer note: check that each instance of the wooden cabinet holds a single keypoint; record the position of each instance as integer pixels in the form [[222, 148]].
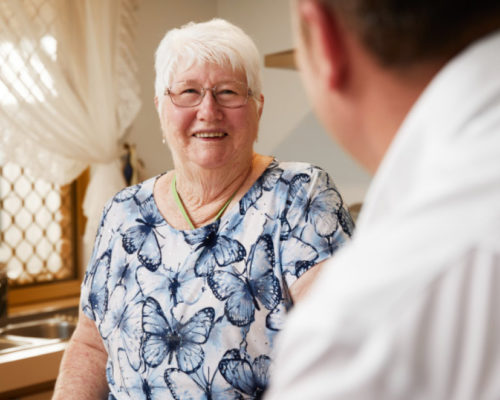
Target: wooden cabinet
[[282, 59], [30, 374]]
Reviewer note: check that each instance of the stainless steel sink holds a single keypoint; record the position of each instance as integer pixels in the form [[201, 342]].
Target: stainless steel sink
[[52, 328], [9, 344], [21, 335]]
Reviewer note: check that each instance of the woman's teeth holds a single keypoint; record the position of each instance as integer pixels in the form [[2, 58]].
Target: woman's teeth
[[209, 134]]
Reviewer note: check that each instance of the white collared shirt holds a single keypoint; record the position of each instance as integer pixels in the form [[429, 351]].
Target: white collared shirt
[[410, 309]]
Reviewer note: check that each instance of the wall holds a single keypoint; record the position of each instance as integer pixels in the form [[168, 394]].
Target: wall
[[289, 130]]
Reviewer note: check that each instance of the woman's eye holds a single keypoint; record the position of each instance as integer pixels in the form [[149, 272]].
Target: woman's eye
[[225, 92], [190, 91]]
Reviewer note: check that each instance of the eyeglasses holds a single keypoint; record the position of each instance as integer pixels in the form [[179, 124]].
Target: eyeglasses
[[227, 94]]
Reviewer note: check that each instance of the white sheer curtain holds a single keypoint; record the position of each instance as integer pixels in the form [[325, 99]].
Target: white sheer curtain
[[68, 91]]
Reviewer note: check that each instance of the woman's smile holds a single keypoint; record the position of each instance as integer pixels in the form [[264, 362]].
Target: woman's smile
[[210, 135]]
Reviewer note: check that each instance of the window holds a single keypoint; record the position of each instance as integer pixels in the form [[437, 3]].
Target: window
[[24, 83], [41, 226], [39, 234], [27, 77], [37, 220]]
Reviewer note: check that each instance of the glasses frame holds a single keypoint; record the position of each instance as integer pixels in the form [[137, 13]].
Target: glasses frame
[[168, 91]]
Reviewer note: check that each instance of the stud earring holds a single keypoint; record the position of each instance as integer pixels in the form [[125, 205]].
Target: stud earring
[[163, 140]]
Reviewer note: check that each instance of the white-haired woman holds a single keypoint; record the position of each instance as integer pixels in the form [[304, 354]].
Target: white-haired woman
[[193, 270]]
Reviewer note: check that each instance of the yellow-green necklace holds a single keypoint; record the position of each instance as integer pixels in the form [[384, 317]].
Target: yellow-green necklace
[[183, 210]]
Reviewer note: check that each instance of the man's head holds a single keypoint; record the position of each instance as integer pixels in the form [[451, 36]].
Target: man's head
[[401, 33], [365, 62]]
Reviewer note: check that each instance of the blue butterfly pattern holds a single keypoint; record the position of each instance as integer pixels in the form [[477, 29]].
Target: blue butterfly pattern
[[141, 238], [150, 387], [250, 378], [172, 286], [317, 209], [215, 249], [242, 294], [97, 277], [184, 386], [127, 321], [301, 259], [182, 340], [193, 314], [266, 182], [127, 193]]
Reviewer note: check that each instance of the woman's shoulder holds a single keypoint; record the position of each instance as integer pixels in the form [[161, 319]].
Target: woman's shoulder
[[295, 166], [293, 169], [140, 191]]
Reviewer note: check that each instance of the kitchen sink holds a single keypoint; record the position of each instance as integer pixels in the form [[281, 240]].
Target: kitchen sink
[[9, 344], [12, 343], [52, 328], [22, 335]]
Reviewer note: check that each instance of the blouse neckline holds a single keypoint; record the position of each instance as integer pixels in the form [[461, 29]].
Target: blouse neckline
[[226, 216]]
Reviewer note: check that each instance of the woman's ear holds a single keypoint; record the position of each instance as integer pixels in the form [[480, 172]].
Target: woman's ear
[[156, 103], [323, 42], [260, 105]]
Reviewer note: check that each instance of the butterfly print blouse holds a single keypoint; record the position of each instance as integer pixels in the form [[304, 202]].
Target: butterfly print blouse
[[193, 314]]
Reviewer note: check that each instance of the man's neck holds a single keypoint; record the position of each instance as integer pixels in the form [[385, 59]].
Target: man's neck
[[386, 101]]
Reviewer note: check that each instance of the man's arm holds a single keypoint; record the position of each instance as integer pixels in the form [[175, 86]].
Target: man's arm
[[82, 373]]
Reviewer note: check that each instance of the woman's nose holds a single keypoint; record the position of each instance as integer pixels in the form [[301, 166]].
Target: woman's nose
[[209, 109]]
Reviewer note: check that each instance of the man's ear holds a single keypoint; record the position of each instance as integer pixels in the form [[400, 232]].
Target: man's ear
[[324, 41]]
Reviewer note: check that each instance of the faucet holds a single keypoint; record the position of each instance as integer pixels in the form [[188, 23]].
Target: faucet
[[3, 294]]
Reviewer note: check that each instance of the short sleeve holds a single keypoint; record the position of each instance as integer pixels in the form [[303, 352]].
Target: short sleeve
[[315, 223]]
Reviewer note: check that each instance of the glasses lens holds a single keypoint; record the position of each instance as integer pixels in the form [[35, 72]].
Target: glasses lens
[[227, 94], [186, 94], [231, 94]]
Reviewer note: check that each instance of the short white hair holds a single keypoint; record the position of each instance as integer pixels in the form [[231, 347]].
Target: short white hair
[[216, 41]]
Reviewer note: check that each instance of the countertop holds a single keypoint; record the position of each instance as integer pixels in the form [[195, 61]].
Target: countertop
[[30, 367]]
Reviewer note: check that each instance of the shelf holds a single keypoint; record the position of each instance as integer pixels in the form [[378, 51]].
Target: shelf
[[282, 59]]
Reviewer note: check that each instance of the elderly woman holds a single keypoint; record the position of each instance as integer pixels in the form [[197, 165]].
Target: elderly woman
[[193, 270]]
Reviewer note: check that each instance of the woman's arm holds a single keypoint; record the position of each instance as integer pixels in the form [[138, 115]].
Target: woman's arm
[[82, 374], [302, 285]]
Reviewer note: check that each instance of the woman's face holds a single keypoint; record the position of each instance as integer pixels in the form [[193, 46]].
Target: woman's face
[[232, 130]]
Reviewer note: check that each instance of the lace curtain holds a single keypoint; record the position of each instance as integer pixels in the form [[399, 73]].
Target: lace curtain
[[68, 92]]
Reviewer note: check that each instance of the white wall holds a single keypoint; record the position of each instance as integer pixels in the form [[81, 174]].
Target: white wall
[[289, 130]]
